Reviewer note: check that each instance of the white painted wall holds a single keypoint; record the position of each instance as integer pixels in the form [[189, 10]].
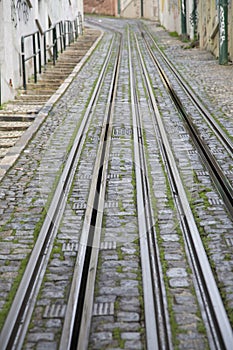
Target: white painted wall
[[151, 9], [17, 18], [130, 8], [169, 15]]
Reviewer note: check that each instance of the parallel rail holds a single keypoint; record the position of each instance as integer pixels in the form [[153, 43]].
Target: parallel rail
[[156, 315], [77, 322], [217, 322], [220, 179], [17, 321]]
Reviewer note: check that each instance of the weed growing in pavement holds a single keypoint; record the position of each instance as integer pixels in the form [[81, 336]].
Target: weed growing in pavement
[[10, 297], [174, 34], [116, 333], [57, 250]]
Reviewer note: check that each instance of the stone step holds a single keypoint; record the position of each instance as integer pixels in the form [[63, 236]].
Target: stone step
[[37, 90], [43, 85], [8, 117], [21, 103], [32, 98]]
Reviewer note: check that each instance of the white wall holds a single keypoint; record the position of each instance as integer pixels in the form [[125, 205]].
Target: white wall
[[18, 18], [169, 15], [151, 9]]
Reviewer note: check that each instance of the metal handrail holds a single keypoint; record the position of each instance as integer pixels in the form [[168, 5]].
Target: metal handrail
[[80, 23], [60, 32], [55, 39], [68, 32], [36, 51]]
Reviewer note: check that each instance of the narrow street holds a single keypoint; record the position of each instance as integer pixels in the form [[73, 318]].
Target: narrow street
[[115, 229]]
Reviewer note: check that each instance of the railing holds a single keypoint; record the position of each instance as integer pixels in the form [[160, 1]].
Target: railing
[[36, 52], [55, 39]]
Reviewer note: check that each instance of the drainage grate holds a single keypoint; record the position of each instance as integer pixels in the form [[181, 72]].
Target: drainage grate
[[202, 173], [55, 311], [217, 151], [229, 242], [108, 245], [70, 247], [111, 205], [122, 132], [228, 172], [184, 136], [85, 176], [215, 201], [113, 176], [103, 309], [79, 205], [192, 151]]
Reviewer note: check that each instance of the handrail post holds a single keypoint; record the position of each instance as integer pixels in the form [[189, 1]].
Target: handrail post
[[34, 57], [76, 28], [81, 23], [23, 64], [55, 42], [64, 34], [45, 50], [39, 51], [0, 85], [69, 32], [60, 35], [54, 47]]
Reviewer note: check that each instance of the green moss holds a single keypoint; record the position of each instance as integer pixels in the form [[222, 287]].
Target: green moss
[[11, 294], [174, 34], [116, 333]]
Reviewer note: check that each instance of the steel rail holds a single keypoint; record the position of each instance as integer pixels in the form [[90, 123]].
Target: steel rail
[[18, 318], [222, 136], [157, 329], [75, 334], [214, 314], [223, 185]]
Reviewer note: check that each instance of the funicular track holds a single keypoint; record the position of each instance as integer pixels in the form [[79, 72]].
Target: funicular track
[[217, 323], [78, 315], [177, 89], [18, 319]]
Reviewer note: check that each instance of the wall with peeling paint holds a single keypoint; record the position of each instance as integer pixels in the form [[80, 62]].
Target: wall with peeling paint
[[22, 17], [169, 15], [208, 26]]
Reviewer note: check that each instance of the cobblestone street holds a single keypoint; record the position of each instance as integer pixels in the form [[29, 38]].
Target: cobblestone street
[[31, 169]]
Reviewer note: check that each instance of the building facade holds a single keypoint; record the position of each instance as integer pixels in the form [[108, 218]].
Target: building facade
[[20, 18], [202, 19], [194, 19]]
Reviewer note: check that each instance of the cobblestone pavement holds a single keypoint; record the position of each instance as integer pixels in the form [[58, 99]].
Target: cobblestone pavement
[[211, 81], [24, 192]]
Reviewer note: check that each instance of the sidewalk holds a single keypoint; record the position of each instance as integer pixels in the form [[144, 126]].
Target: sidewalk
[[211, 81]]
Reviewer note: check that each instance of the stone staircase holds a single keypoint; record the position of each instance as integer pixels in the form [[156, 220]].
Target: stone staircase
[[17, 115]]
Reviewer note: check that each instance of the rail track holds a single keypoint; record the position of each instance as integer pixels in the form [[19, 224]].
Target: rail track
[[198, 121], [15, 327], [120, 234], [220, 330]]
